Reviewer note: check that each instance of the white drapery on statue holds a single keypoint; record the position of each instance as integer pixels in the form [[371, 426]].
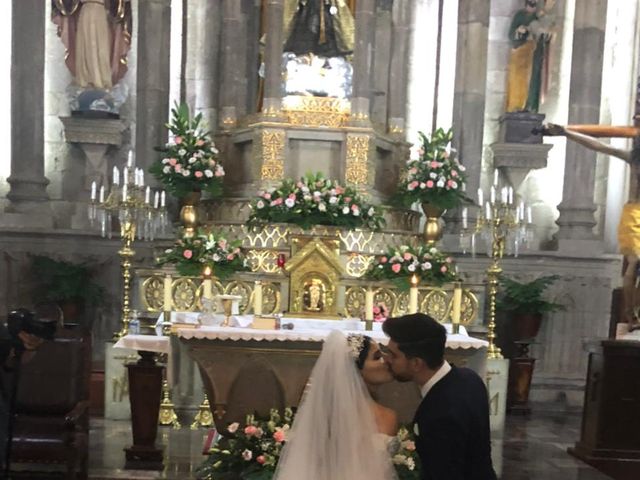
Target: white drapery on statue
[[93, 46]]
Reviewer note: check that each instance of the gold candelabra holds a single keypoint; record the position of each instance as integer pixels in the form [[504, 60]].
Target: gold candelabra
[[131, 204]]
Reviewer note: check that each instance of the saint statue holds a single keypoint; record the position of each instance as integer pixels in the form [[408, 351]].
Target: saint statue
[[97, 37], [313, 296], [530, 33]]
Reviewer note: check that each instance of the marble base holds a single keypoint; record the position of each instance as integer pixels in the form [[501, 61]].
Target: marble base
[[116, 384], [26, 221], [497, 378]]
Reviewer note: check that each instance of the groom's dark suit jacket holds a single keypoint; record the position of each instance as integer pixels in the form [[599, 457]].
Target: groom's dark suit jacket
[[453, 424]]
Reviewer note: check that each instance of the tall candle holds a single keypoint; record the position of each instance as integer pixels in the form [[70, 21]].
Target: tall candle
[[147, 195], [413, 295], [124, 192], [130, 159], [162, 199], [116, 176], [487, 211], [257, 298], [510, 195], [464, 218], [529, 215], [504, 195], [102, 194], [207, 288], [457, 303], [480, 197], [156, 199], [141, 178], [368, 304], [93, 191], [495, 177], [493, 194], [167, 304], [521, 211]]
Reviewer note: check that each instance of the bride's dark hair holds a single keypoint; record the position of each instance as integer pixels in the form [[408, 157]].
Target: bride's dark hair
[[360, 346]]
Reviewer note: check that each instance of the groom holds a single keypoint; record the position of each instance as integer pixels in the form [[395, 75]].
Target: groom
[[452, 421]]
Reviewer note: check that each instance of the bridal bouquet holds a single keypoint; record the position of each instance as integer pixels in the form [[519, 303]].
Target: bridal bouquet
[[435, 177], [190, 161], [250, 452], [315, 200], [406, 460], [399, 264], [205, 249]]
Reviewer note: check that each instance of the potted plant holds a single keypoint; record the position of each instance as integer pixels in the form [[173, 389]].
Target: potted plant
[[525, 303], [70, 285]]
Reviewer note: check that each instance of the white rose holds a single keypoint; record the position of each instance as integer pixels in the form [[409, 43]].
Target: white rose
[[433, 175], [208, 173], [233, 428], [247, 455], [168, 250], [186, 173], [356, 212], [411, 268], [411, 465], [433, 250], [166, 169], [426, 266], [333, 200], [454, 184], [192, 160], [289, 202], [399, 459], [317, 194], [440, 183], [165, 160], [260, 204], [345, 210], [322, 207], [216, 257], [182, 152], [371, 211], [423, 185]]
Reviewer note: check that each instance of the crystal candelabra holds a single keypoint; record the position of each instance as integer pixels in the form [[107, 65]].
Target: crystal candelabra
[[129, 201], [505, 228]]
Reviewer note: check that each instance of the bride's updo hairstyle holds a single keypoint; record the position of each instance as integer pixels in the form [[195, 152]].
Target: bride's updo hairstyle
[[359, 345], [418, 335]]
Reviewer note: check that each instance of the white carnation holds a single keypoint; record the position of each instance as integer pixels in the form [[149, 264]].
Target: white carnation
[[260, 204], [322, 207], [345, 210], [192, 160], [208, 173], [182, 152], [186, 173], [411, 267], [289, 202], [371, 211], [166, 169]]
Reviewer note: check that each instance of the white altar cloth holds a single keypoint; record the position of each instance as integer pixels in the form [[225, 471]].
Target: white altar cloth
[[147, 343]]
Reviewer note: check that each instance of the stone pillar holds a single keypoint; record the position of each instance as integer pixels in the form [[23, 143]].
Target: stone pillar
[[577, 209], [231, 15], [362, 59], [152, 104], [27, 180], [470, 86], [399, 70], [203, 26], [273, 58]]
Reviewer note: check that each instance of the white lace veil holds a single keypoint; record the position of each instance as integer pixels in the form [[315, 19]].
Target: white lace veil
[[332, 436]]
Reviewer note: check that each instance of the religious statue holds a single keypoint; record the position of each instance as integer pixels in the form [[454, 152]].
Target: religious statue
[[530, 34], [97, 37], [629, 226], [314, 296]]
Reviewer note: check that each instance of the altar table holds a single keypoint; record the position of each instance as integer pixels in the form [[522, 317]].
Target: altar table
[[247, 370]]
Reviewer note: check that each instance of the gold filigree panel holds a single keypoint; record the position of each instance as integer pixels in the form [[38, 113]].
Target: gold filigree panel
[[358, 264], [273, 236], [355, 301], [316, 111], [357, 168], [357, 240], [185, 295], [273, 145], [153, 293], [435, 305], [264, 261]]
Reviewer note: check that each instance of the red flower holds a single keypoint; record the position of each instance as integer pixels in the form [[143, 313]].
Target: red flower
[[187, 254]]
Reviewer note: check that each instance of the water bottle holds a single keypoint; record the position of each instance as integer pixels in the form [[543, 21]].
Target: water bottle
[[134, 324]]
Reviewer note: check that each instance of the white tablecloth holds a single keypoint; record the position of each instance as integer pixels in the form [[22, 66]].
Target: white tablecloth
[[147, 343]]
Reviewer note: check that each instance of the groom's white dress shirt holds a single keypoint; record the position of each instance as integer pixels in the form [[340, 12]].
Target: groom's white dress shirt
[[442, 371]]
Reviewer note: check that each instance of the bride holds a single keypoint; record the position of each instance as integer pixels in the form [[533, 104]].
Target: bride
[[340, 431]]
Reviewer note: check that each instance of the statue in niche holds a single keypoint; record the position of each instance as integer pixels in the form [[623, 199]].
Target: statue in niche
[[530, 33], [319, 39], [97, 36], [314, 295]]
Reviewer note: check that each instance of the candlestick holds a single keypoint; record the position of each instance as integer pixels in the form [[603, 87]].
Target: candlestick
[[413, 295], [487, 213], [167, 304], [93, 191], [125, 175], [456, 307], [257, 298], [124, 192], [368, 304]]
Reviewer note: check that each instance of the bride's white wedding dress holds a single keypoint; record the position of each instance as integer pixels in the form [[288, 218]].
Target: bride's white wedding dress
[[334, 434]]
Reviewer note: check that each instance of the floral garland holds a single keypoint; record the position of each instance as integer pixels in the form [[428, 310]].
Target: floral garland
[[205, 249], [406, 460], [190, 161], [314, 200], [399, 264], [435, 177], [251, 452]]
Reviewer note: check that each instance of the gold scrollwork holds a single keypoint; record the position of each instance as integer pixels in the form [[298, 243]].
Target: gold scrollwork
[[358, 264], [317, 111], [264, 261], [153, 293], [388, 297], [273, 237], [185, 295], [436, 305], [273, 154], [270, 298], [357, 240], [354, 301], [357, 169], [469, 307], [241, 289]]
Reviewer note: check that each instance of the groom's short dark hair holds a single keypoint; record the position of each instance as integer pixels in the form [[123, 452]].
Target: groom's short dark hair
[[418, 335]]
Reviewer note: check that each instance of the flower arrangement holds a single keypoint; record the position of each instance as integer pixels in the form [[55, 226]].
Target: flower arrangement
[[406, 460], [399, 264], [315, 200], [380, 312], [251, 452], [189, 162], [435, 177], [205, 249]]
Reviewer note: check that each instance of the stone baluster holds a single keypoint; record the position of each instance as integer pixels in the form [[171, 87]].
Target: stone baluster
[[273, 58], [28, 184], [362, 59], [152, 104], [399, 70], [577, 209]]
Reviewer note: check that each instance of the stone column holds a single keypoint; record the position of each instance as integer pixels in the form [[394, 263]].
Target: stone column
[[577, 209], [470, 86], [203, 26], [152, 104], [399, 70], [273, 58], [231, 15], [362, 59], [27, 180]]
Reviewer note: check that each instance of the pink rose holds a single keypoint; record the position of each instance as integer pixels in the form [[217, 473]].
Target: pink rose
[[347, 199], [396, 267], [430, 184], [172, 161], [198, 174], [421, 151], [376, 310], [278, 436], [406, 256], [267, 196], [200, 143], [260, 459], [354, 207], [450, 183], [454, 173], [434, 164], [292, 196], [250, 430], [449, 260], [222, 243], [410, 445], [443, 269], [187, 254], [231, 256], [178, 140], [384, 259], [219, 172], [339, 190], [178, 168]]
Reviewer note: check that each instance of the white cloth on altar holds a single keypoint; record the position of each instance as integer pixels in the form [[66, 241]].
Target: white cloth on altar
[[149, 343]]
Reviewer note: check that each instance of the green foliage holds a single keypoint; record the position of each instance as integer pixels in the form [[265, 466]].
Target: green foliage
[[314, 200], [435, 177], [190, 161], [62, 281], [527, 297], [206, 248]]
